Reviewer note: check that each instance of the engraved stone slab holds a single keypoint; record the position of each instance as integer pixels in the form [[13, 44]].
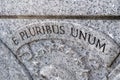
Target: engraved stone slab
[[59, 7], [88, 37], [63, 51]]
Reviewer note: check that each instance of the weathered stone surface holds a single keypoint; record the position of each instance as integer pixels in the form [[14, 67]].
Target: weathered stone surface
[[58, 52], [115, 74], [60, 7], [10, 69], [59, 49]]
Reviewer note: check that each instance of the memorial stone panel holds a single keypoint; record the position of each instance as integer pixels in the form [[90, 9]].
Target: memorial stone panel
[[59, 40]]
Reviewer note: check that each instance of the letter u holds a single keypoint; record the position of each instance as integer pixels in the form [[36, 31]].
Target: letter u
[[91, 41], [74, 32]]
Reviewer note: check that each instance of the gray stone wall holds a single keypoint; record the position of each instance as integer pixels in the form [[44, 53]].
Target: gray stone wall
[[59, 39]]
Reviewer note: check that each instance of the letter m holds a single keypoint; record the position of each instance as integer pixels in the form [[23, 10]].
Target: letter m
[[98, 45]]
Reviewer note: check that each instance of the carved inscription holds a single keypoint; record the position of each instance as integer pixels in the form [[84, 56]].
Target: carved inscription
[[92, 40], [59, 29], [64, 51]]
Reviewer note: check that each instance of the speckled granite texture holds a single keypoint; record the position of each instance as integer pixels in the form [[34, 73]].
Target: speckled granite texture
[[50, 61], [59, 49], [60, 7]]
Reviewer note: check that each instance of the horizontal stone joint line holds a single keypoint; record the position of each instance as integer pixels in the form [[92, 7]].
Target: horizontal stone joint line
[[83, 17]]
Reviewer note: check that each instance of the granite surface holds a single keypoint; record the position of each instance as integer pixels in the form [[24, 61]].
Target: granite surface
[[10, 69], [60, 7], [75, 59], [59, 49]]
